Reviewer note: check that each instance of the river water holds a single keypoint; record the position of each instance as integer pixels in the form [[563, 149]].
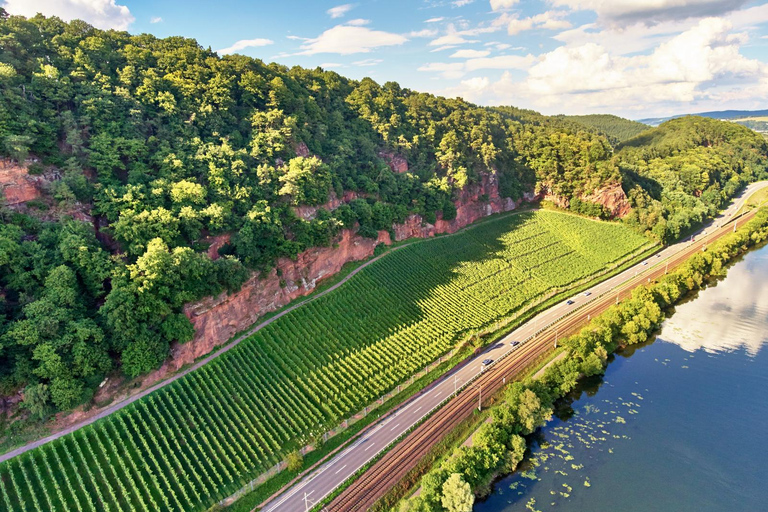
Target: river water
[[679, 424]]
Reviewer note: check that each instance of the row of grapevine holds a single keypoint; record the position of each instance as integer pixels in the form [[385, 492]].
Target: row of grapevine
[[192, 442]]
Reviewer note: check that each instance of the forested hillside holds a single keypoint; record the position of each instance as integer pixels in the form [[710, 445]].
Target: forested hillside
[[685, 170], [616, 128], [158, 144]]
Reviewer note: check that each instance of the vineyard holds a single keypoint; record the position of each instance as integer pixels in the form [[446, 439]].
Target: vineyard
[[196, 440]]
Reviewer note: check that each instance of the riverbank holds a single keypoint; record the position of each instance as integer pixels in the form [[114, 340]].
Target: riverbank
[[527, 405]]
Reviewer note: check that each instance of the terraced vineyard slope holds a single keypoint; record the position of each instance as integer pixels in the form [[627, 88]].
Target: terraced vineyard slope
[[193, 442]]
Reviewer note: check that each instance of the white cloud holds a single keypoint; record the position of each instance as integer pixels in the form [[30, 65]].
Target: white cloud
[[446, 69], [103, 14], [461, 3], [500, 5], [470, 54], [243, 44], [339, 10], [359, 22], [427, 32], [627, 12], [454, 36], [367, 62], [451, 39], [434, 20], [549, 20], [699, 64], [331, 65], [155, 19], [505, 62], [459, 69], [517, 25], [443, 48], [297, 38], [346, 40]]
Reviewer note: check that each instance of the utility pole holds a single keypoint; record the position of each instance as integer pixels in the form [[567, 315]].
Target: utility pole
[[480, 397], [617, 296], [556, 336], [666, 270], [455, 384]]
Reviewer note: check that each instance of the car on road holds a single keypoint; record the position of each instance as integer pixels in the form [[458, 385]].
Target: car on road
[[570, 302], [514, 343], [487, 362], [587, 294], [645, 263]]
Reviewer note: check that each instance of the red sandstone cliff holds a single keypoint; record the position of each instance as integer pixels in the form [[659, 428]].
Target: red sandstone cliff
[[612, 197], [16, 184], [217, 319]]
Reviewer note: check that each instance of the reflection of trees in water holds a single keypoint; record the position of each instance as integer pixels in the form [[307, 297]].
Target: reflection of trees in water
[[728, 316]]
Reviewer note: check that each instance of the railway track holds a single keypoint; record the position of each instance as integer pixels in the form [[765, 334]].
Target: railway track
[[403, 457]]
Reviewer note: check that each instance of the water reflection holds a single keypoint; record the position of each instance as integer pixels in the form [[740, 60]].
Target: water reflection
[[728, 316]]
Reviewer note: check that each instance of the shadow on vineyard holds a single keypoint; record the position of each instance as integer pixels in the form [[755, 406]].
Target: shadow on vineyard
[[198, 439]]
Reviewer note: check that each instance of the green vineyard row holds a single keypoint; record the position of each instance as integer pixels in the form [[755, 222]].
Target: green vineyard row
[[193, 442]]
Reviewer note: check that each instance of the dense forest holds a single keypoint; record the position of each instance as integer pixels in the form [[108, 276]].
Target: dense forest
[[162, 143], [616, 128], [685, 170]]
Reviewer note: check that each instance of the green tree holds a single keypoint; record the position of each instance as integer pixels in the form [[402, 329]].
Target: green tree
[[457, 494]]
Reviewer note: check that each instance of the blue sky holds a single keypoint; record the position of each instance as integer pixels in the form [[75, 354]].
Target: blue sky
[[636, 58]]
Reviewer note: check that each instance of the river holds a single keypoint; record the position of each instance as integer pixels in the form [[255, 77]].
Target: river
[[678, 424]]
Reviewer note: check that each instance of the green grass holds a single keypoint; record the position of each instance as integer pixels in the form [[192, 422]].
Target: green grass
[[200, 438]]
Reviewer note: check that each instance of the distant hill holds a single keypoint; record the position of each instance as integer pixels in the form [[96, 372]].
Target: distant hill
[[720, 114], [616, 128]]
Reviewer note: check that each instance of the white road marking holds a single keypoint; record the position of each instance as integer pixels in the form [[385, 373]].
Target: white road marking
[[393, 428], [339, 470], [369, 447], [417, 410]]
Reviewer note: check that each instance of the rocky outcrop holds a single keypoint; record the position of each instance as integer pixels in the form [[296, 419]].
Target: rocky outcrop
[[16, 184], [217, 319], [612, 198], [216, 243], [310, 212], [396, 162]]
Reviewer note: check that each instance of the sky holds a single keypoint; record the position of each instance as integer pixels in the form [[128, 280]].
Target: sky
[[634, 58]]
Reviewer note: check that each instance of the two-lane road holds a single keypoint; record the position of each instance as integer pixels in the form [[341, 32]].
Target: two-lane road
[[333, 473]]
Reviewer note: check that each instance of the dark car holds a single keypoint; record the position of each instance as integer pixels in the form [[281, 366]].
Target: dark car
[[514, 343], [486, 362], [570, 302]]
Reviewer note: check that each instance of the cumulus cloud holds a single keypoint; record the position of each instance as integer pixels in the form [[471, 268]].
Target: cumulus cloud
[[104, 14], [627, 12], [469, 54], [698, 64], [427, 32], [459, 69], [367, 62], [549, 20], [155, 19], [339, 10], [500, 5], [245, 43], [346, 40]]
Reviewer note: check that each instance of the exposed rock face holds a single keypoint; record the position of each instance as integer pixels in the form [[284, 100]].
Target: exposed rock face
[[396, 162], [612, 198], [310, 212], [217, 319], [217, 242], [16, 183]]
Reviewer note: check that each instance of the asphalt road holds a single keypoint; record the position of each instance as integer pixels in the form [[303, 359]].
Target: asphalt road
[[333, 473]]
